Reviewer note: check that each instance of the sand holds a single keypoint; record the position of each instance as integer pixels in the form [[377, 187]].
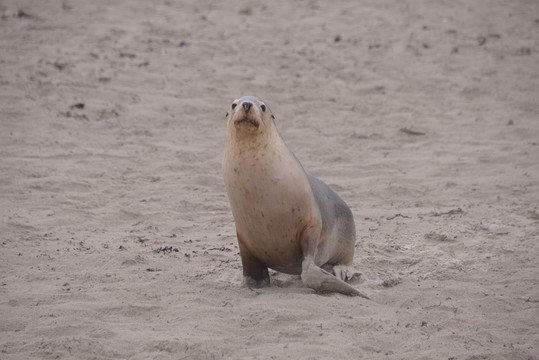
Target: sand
[[117, 240]]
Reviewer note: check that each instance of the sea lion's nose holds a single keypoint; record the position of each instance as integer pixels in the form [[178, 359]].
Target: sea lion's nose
[[247, 106]]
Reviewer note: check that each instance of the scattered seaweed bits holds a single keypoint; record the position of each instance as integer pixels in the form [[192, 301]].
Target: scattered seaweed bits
[[77, 106], [23, 14], [166, 250], [59, 65], [246, 11], [411, 132]]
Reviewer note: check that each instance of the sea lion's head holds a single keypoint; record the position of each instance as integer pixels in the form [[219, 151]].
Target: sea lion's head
[[249, 116]]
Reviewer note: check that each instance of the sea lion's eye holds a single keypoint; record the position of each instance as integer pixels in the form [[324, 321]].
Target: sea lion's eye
[[263, 107], [234, 106]]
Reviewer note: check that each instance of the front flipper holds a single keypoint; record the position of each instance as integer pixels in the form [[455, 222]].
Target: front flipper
[[255, 273], [322, 281]]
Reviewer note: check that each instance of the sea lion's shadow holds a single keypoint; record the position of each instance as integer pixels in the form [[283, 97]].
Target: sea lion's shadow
[[285, 280], [294, 281], [277, 279]]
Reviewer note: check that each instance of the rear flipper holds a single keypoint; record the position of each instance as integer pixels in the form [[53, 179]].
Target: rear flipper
[[322, 281], [343, 272]]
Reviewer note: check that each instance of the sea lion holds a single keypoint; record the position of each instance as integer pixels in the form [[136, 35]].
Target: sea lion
[[286, 219]]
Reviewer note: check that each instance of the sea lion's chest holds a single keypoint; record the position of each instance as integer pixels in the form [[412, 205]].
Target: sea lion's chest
[[270, 197]]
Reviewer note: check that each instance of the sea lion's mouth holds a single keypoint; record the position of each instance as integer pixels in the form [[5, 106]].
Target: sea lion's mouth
[[246, 121]]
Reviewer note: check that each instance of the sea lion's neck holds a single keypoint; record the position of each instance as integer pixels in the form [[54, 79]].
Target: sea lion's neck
[[243, 143]]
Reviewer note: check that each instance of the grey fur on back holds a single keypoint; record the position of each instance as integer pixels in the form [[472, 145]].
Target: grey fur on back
[[334, 208]]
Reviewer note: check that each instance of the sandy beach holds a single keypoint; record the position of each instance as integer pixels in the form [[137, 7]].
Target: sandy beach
[[117, 240]]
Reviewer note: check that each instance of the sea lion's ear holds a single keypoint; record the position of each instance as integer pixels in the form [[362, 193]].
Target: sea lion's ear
[[273, 117], [226, 115]]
